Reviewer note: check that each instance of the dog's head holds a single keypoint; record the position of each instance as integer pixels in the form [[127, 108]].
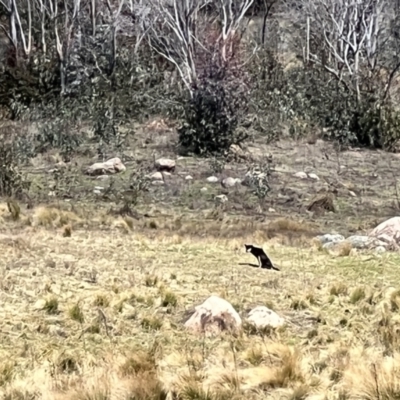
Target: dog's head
[[248, 247]]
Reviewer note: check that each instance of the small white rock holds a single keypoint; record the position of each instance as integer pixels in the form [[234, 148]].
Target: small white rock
[[314, 177], [221, 198], [98, 188], [301, 175], [40, 304], [157, 176], [229, 182], [157, 183], [203, 189], [262, 316], [271, 210], [111, 166], [103, 177], [165, 164], [212, 179], [352, 194], [189, 177]]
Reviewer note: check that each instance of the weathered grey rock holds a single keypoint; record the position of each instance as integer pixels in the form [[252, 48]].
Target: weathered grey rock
[[330, 245], [229, 182], [262, 317], [214, 316], [157, 183], [329, 238], [301, 175], [358, 241], [221, 198], [314, 177], [157, 176], [112, 166], [103, 177], [388, 232], [212, 179], [165, 164]]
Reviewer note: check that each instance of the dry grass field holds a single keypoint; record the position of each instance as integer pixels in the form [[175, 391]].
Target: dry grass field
[[93, 302], [94, 311]]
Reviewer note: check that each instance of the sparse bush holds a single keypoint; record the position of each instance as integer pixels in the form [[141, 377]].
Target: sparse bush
[[12, 182], [60, 133]]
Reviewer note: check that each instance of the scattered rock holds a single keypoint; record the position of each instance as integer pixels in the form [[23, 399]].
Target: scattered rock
[[96, 191], [203, 189], [212, 179], [262, 317], [229, 182], [358, 241], [112, 166], [102, 177], [189, 177], [40, 304], [157, 183], [221, 198], [157, 176], [314, 177], [352, 194], [388, 232], [301, 175], [329, 238], [214, 316], [271, 210], [165, 164]]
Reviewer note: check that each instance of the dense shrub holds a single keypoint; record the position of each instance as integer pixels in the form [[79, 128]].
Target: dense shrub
[[213, 114]]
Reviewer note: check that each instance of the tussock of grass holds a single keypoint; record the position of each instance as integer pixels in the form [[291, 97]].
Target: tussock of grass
[[51, 305], [338, 289], [53, 217], [76, 313], [67, 231], [343, 249], [357, 295], [151, 323], [169, 299], [151, 280]]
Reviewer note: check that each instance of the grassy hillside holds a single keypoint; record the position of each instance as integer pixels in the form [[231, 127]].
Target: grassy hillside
[[93, 300], [98, 314]]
